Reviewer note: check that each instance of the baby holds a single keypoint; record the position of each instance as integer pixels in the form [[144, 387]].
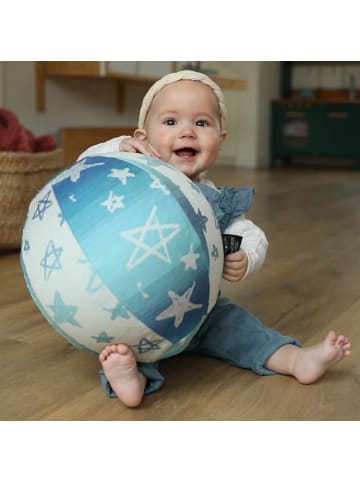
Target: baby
[[182, 122]]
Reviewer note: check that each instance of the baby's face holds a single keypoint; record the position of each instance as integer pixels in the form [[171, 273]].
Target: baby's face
[[183, 124]]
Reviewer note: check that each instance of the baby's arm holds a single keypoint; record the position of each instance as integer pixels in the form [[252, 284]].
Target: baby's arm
[[120, 144], [112, 145], [252, 253]]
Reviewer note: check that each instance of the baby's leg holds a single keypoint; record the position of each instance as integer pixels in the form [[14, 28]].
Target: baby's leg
[[308, 364], [120, 368], [233, 334]]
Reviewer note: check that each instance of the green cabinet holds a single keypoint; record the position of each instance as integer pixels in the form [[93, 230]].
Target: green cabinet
[[314, 129]]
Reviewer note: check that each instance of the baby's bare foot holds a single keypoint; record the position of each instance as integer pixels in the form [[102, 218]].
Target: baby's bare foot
[[310, 363], [120, 368]]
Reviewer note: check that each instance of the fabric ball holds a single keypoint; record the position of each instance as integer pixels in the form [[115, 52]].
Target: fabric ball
[[123, 248]]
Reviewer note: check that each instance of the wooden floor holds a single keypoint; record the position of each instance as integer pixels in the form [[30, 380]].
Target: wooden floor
[[309, 284]]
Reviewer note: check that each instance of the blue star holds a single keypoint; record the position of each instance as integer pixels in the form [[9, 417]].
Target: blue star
[[118, 311], [202, 220], [63, 313], [51, 260], [42, 206], [103, 337], [94, 283], [62, 219], [215, 251], [146, 345], [91, 286]]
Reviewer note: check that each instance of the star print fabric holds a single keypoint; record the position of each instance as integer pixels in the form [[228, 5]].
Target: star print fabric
[[122, 249]]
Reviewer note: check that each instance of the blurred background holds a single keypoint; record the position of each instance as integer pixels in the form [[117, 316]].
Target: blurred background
[[278, 112]]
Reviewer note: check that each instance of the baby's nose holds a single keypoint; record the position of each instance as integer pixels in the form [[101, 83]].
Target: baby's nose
[[187, 131]]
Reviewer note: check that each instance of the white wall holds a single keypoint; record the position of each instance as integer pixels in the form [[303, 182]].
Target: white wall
[[69, 101], [92, 102], [248, 143], [268, 89]]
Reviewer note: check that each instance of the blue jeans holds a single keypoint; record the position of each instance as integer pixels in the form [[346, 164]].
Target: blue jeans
[[230, 333]]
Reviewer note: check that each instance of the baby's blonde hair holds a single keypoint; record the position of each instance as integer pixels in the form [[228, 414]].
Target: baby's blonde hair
[[175, 77]]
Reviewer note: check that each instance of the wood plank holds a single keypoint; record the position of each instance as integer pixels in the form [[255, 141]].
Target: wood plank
[[224, 82], [72, 69], [75, 140], [93, 69]]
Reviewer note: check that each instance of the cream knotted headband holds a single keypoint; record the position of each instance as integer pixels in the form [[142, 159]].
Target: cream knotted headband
[[175, 77]]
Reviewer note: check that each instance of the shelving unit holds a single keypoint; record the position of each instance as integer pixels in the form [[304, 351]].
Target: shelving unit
[[121, 72], [322, 80], [319, 117]]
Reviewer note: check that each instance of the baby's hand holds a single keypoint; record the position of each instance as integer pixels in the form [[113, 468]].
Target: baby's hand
[[138, 145], [235, 266]]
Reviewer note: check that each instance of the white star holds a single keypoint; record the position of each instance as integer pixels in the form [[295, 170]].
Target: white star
[[180, 305], [159, 247], [75, 170], [113, 202], [121, 174], [156, 184], [190, 259]]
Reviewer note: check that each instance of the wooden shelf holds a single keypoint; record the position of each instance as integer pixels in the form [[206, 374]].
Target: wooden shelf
[[223, 82], [99, 70]]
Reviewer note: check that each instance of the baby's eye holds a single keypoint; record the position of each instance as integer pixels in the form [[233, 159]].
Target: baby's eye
[[202, 123], [169, 122]]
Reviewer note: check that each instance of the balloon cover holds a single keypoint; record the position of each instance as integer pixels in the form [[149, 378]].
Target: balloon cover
[[123, 248]]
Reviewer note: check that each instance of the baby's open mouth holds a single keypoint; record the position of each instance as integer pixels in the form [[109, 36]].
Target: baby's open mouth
[[186, 152]]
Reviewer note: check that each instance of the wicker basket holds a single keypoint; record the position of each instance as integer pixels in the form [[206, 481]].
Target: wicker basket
[[21, 176]]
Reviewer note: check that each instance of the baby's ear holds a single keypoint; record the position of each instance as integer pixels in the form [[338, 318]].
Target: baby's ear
[[223, 136], [140, 134]]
